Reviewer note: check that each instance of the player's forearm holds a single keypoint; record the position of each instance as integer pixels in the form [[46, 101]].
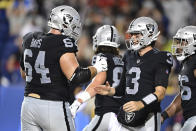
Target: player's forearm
[[81, 75], [90, 93], [93, 71], [174, 107], [160, 92], [91, 90], [155, 97]]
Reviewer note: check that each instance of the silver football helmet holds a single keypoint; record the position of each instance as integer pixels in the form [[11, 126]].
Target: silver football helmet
[[184, 42], [106, 35], [67, 20], [148, 29]]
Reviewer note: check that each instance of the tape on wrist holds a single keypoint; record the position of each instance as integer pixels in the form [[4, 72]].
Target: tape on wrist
[[164, 115], [84, 96], [149, 99]]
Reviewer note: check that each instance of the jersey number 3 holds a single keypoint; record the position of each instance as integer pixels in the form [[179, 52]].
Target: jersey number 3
[[133, 91], [39, 66]]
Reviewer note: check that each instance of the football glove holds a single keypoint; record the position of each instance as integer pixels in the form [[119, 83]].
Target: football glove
[[101, 64], [74, 107]]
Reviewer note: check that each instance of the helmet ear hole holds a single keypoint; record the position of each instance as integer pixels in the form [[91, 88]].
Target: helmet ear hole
[[55, 18]]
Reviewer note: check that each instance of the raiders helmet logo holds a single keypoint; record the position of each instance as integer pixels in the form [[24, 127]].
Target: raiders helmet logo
[[150, 28], [129, 116], [67, 18]]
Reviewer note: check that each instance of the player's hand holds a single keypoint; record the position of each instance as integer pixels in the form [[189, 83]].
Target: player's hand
[[103, 89], [74, 107], [133, 106], [101, 64], [162, 120], [164, 116]]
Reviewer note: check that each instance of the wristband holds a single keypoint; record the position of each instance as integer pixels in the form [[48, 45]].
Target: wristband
[[84, 96], [164, 115], [149, 99]]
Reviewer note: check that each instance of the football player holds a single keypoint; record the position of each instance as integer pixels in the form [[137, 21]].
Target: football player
[[144, 79], [105, 43], [184, 48], [49, 66]]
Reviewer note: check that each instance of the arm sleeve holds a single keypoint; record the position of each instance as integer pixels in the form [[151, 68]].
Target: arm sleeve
[[80, 76]]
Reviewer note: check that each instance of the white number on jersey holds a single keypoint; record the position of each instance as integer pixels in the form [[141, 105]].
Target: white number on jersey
[[28, 67], [185, 90], [134, 81], [68, 42], [117, 73], [170, 60], [39, 66]]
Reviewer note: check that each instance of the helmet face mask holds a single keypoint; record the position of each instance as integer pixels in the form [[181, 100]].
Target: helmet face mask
[[178, 46], [148, 29], [67, 20], [184, 42], [134, 41], [95, 42], [106, 36]]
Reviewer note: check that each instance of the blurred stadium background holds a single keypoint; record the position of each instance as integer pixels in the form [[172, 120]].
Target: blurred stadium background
[[18, 17]]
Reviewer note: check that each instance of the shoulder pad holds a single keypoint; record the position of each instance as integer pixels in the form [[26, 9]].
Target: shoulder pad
[[67, 44], [26, 36], [165, 57], [64, 44], [194, 57]]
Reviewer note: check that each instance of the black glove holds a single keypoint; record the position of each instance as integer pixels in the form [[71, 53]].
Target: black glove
[[164, 116]]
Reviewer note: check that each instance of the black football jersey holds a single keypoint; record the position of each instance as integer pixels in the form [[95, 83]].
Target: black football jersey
[[142, 74], [40, 60], [187, 83], [104, 104]]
